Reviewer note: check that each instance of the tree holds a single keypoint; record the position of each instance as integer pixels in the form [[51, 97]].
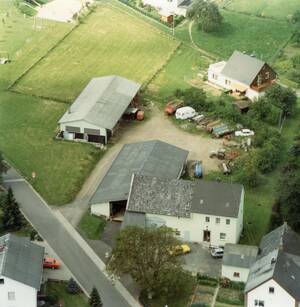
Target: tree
[[95, 299], [296, 17], [193, 97], [12, 218], [283, 98], [206, 14], [3, 167], [72, 286], [144, 253]]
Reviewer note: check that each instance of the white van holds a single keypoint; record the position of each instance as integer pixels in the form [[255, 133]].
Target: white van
[[185, 113]]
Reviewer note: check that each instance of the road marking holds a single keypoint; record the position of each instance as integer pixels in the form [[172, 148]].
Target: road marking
[[14, 180]]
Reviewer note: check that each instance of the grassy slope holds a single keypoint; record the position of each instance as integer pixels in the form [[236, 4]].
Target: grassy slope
[[91, 226], [281, 9], [241, 32], [108, 42]]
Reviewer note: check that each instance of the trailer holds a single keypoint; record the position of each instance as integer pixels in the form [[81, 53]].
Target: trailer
[[222, 130]]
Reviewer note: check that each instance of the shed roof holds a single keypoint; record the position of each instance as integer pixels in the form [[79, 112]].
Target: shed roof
[[21, 260], [152, 158], [242, 67], [182, 197], [102, 102], [241, 256]]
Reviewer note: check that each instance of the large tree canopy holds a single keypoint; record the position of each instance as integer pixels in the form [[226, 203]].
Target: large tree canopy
[[206, 14]]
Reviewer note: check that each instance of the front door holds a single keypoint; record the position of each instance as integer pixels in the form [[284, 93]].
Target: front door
[[206, 235]]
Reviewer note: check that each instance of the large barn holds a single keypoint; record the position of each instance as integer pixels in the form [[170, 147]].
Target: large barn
[[151, 158], [94, 115]]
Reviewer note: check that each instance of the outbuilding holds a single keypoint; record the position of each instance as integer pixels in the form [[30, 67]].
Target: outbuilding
[[95, 114]]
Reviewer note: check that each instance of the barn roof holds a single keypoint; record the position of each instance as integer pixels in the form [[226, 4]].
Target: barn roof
[[102, 102], [242, 67]]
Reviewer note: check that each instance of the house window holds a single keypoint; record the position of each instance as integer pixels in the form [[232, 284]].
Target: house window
[[215, 77], [222, 236], [207, 219], [11, 296], [271, 290], [177, 232], [227, 82], [236, 274], [267, 75], [1, 281], [218, 220], [259, 303], [227, 221]]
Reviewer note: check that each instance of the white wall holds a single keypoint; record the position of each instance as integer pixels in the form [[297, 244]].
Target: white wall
[[280, 298], [170, 6], [25, 296], [253, 95], [191, 229], [101, 209], [228, 272]]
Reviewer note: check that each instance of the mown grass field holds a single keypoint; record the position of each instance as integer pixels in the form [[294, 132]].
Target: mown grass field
[[263, 37], [280, 9], [108, 42]]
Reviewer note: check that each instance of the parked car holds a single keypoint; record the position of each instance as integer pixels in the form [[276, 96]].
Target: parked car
[[244, 132], [51, 263], [198, 171], [217, 252], [185, 113], [181, 250]]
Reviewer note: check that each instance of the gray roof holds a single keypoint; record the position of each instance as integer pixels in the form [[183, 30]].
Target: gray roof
[[102, 102], [241, 256], [242, 67], [276, 260], [21, 260], [134, 219], [144, 158], [181, 197]]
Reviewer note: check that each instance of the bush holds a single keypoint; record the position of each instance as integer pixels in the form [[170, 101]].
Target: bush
[[25, 9], [206, 280], [199, 304], [51, 299], [72, 286]]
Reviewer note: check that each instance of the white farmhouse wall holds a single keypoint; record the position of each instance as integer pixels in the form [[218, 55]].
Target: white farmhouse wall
[[253, 95], [25, 296], [101, 209], [280, 298], [191, 229], [228, 272]]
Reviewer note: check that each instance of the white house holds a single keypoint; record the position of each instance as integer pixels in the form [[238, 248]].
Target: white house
[[274, 278], [145, 158], [237, 261], [242, 74], [199, 211], [94, 115], [170, 7], [21, 269]]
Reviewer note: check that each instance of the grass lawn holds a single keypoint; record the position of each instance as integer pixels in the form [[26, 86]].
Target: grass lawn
[[68, 300], [281, 9], [91, 226], [28, 127], [230, 296], [108, 42], [264, 37]]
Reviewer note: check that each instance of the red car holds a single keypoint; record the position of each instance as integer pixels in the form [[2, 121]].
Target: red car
[[51, 263]]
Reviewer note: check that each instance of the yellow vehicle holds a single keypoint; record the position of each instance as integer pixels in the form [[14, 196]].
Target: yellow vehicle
[[181, 250]]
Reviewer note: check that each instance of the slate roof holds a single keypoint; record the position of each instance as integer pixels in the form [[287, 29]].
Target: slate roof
[[242, 67], [102, 102], [21, 260], [241, 256], [181, 197], [276, 260], [144, 158]]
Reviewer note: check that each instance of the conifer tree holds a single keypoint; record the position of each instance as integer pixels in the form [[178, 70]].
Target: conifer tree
[[95, 299]]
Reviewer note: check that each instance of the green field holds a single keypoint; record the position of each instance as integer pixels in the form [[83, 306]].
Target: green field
[[263, 37], [281, 9], [108, 42]]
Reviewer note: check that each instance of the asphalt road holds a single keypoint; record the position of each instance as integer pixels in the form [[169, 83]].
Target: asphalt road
[[65, 245]]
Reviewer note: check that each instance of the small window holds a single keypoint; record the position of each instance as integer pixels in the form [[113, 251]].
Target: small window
[[236, 274], [259, 303], [271, 290], [227, 221], [11, 296], [227, 82], [215, 76], [207, 219], [1, 281], [222, 236], [267, 75], [218, 220]]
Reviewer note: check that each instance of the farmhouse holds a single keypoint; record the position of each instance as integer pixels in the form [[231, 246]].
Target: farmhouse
[[243, 75], [237, 261], [21, 269], [199, 211], [94, 115], [168, 8], [274, 278], [145, 158]]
